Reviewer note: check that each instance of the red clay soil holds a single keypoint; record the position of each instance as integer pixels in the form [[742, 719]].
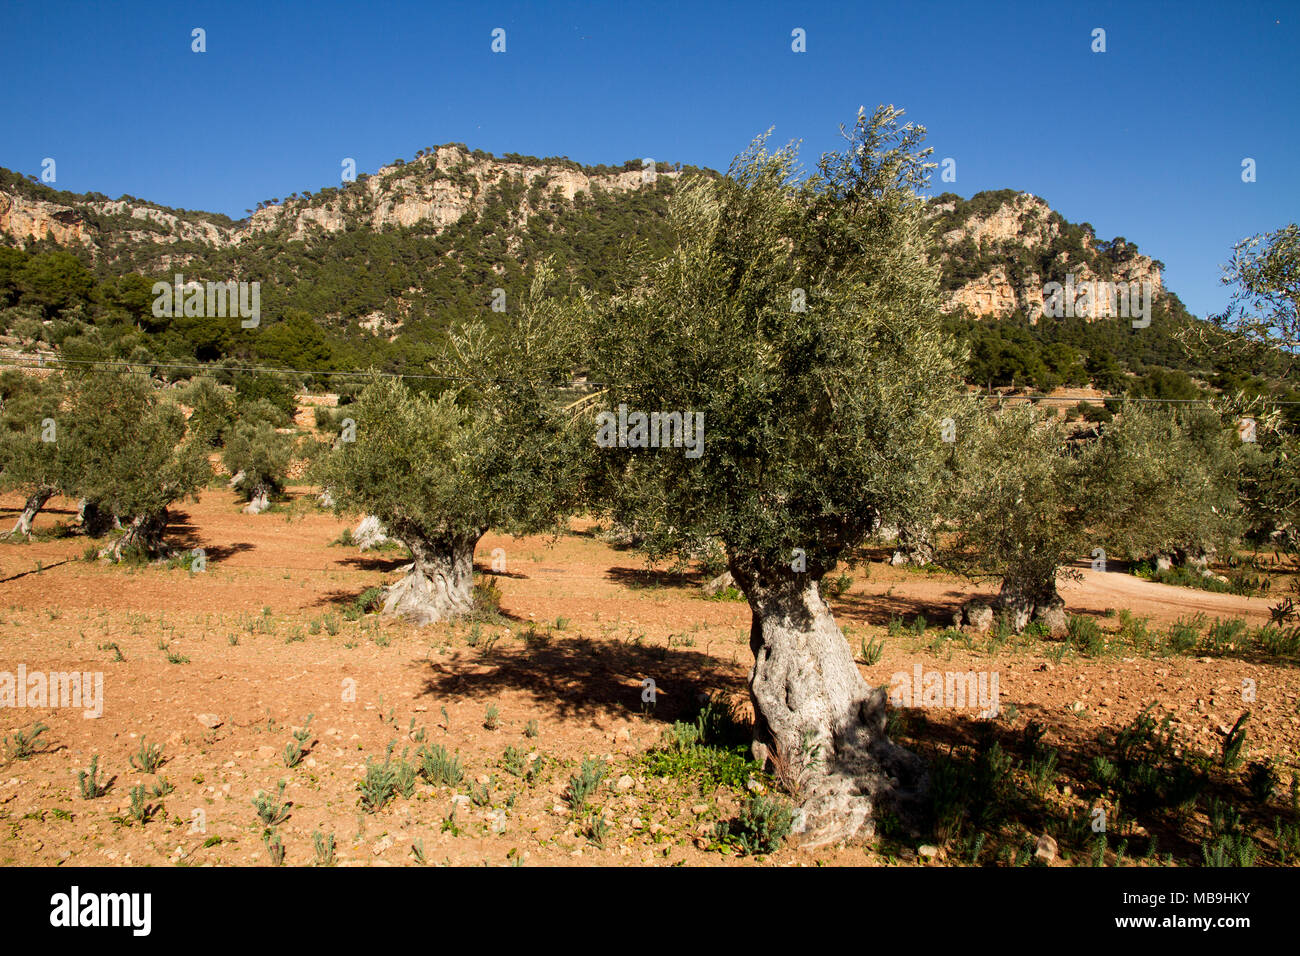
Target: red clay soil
[[251, 656]]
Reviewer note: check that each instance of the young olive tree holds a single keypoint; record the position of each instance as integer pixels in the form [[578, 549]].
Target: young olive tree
[[494, 450], [794, 331], [32, 459], [132, 457]]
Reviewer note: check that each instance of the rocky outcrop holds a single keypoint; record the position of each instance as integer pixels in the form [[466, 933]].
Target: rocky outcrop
[[437, 189], [1025, 222], [27, 220]]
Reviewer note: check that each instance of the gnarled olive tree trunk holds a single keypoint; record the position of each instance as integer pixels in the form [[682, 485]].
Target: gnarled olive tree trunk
[[144, 534], [915, 546], [1026, 599], [35, 502], [259, 499], [439, 583], [815, 719]]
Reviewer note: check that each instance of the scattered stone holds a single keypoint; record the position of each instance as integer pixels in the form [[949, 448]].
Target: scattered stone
[[928, 852], [385, 844], [1046, 849], [210, 721], [720, 583], [625, 782], [976, 615]]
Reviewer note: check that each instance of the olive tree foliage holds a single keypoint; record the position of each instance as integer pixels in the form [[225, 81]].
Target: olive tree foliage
[[1029, 497], [32, 459], [1268, 476], [1170, 481], [212, 410], [493, 450], [801, 319], [132, 457], [1261, 327], [1264, 312]]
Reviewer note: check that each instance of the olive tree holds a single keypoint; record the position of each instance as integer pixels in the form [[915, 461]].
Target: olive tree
[[33, 461], [1021, 505], [258, 455], [1028, 497], [1261, 330], [1170, 482], [132, 457], [493, 450], [789, 359]]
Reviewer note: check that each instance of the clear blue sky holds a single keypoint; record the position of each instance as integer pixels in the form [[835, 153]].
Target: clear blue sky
[[1145, 140]]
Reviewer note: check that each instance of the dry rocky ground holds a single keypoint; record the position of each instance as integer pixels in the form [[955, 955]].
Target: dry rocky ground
[[221, 667]]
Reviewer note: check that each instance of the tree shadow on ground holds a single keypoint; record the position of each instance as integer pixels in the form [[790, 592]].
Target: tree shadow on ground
[[40, 570], [642, 578], [880, 609], [578, 676], [948, 736], [375, 563]]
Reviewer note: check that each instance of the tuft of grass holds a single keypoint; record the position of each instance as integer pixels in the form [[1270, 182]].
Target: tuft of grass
[[872, 652], [271, 810], [597, 830], [148, 758], [513, 762], [324, 846], [1235, 850], [141, 810], [274, 846], [761, 827], [1084, 635], [384, 781], [24, 745], [583, 783], [298, 747], [1233, 743], [438, 767], [88, 782]]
